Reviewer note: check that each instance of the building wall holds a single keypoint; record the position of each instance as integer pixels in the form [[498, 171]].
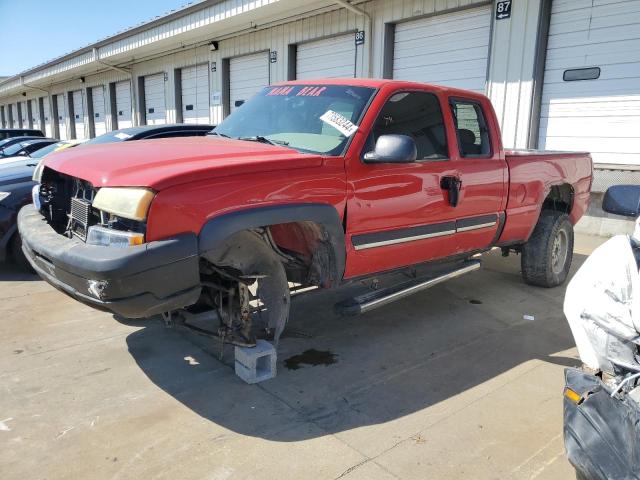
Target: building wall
[[510, 69]]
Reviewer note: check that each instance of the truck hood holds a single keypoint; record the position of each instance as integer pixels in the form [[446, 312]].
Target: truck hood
[[162, 163]]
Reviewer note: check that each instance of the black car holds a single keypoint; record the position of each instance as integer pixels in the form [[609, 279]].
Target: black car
[[7, 142], [26, 147], [19, 132], [147, 132], [15, 192]]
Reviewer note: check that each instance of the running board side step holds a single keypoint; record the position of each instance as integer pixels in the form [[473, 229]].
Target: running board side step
[[370, 301]]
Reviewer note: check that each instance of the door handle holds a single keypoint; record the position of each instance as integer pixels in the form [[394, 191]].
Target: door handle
[[452, 185]]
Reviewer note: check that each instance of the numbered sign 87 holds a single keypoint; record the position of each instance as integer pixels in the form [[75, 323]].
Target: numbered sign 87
[[503, 9]]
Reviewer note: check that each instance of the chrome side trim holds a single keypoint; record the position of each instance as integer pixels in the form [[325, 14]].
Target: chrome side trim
[[395, 241], [475, 227]]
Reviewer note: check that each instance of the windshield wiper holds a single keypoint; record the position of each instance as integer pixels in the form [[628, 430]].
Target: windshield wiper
[[261, 139]]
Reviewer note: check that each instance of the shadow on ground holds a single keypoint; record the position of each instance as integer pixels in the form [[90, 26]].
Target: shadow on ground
[[12, 273], [391, 362]]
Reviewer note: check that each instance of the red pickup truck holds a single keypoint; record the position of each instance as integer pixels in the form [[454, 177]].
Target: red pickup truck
[[307, 184]]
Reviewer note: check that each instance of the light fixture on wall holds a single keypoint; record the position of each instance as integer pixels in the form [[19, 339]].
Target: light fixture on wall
[[81, 79], [213, 45]]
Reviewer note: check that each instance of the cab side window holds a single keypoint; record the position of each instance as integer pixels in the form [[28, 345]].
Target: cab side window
[[471, 129], [418, 115]]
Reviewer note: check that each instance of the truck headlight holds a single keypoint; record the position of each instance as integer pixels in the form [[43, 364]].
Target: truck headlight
[[108, 237], [4, 195], [131, 203]]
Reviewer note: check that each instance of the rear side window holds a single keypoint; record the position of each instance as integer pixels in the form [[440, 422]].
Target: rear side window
[[471, 129]]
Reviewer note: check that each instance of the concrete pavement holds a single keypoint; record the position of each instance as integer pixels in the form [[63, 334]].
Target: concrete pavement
[[450, 383]]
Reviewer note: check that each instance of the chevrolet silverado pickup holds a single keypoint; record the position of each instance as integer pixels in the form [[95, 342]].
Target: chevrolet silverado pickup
[[308, 184]]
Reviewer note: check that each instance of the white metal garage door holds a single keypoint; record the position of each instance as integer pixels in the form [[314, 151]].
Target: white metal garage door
[[602, 115], [247, 75], [195, 94], [450, 49], [35, 114], [154, 104], [97, 102], [78, 114], [24, 114], [328, 58], [14, 115], [62, 117], [48, 130], [123, 104]]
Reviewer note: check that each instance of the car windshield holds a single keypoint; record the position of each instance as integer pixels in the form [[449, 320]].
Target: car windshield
[[110, 137], [13, 149], [309, 118], [41, 152]]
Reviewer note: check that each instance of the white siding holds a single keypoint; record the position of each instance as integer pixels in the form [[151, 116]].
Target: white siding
[[48, 129], [99, 112], [154, 101], [195, 94], [247, 75], [600, 116], [78, 114], [123, 104], [332, 57], [450, 49], [62, 117]]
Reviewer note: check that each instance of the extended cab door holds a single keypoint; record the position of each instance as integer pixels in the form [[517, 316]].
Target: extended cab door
[[403, 214]]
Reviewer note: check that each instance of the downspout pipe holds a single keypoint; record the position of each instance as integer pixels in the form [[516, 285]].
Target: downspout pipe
[[362, 13]]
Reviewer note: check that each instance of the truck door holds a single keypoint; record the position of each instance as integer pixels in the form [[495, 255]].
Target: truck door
[[403, 214]]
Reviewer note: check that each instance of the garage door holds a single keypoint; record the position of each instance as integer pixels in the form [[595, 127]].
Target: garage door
[[123, 104], [98, 119], [62, 117], [247, 75], [24, 114], [14, 116], [78, 114], [48, 130], [600, 115], [35, 114], [328, 58], [195, 94], [450, 49], [155, 110]]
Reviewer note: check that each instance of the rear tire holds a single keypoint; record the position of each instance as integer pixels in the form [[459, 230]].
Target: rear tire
[[547, 256]]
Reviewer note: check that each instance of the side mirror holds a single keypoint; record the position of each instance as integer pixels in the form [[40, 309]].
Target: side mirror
[[622, 200], [393, 149]]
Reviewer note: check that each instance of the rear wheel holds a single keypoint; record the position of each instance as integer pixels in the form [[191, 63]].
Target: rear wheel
[[547, 256]]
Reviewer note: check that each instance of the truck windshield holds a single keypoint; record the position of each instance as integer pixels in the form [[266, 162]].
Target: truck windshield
[[309, 118]]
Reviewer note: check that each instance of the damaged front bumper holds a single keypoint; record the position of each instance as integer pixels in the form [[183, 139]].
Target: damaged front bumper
[[134, 282], [601, 432]]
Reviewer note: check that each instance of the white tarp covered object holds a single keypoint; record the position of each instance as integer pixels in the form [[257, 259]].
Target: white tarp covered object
[[602, 306]]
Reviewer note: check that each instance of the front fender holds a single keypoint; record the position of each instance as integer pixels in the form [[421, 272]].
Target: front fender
[[217, 229]]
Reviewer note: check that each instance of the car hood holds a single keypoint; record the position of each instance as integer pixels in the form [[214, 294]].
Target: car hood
[[162, 163], [16, 172]]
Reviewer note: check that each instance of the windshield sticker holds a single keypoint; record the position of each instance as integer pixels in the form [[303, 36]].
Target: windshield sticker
[[282, 91], [122, 135], [339, 122], [311, 92], [299, 92]]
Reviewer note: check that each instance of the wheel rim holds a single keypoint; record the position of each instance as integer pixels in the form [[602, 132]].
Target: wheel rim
[[559, 251]]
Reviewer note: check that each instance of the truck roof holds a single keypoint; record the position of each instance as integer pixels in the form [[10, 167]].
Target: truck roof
[[379, 83]]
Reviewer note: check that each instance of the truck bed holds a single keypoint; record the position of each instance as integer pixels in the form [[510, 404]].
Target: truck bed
[[532, 175]]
